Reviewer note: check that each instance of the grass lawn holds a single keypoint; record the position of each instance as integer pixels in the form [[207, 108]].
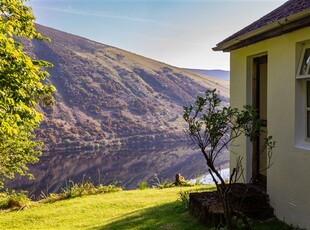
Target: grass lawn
[[134, 209]]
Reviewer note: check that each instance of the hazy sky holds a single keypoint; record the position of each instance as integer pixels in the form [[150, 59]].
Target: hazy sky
[[177, 32]]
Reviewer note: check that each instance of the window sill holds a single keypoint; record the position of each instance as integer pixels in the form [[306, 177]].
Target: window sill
[[303, 145]]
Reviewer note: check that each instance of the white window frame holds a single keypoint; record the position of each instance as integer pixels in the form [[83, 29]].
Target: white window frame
[[301, 60], [302, 141]]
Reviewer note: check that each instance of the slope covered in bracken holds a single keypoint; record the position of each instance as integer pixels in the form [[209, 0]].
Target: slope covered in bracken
[[109, 96]]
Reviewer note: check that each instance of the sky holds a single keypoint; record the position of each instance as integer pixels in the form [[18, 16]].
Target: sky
[[181, 33]]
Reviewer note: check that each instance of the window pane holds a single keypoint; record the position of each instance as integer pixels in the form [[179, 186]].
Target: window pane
[[308, 124], [308, 94], [305, 63]]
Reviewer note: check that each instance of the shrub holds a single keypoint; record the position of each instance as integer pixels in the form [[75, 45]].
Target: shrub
[[157, 183], [79, 189], [14, 200], [142, 185]]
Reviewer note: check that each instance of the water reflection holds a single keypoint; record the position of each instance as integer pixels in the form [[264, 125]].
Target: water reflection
[[127, 165]]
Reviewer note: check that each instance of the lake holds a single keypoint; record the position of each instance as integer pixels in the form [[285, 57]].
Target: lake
[[123, 164]]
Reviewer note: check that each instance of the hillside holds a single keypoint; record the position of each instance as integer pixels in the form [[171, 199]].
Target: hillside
[[109, 96]]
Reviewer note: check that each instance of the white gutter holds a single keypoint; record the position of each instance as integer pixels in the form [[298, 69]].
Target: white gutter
[[263, 29]]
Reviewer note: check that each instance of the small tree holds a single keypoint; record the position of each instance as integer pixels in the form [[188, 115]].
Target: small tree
[[21, 88], [213, 127]]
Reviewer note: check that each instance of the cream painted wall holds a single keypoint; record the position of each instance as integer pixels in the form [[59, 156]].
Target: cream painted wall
[[288, 180], [238, 86]]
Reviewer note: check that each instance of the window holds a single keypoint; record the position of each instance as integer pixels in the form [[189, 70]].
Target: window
[[304, 63], [303, 95]]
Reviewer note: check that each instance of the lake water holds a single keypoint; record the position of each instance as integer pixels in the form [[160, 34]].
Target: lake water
[[207, 178], [126, 165]]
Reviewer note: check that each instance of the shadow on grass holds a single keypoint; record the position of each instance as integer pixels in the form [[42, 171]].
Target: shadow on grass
[[168, 216]]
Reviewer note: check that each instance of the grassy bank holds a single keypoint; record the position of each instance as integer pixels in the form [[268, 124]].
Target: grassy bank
[[135, 209]]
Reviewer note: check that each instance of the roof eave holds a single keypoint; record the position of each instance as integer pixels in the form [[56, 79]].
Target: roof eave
[[255, 35]]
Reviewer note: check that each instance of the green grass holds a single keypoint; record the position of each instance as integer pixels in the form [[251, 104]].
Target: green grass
[[135, 209]]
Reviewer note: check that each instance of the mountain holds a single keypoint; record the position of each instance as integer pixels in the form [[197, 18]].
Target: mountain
[[108, 96], [217, 73]]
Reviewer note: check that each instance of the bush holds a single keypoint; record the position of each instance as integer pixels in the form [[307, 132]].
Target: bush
[[14, 200], [157, 183], [79, 189], [142, 185]]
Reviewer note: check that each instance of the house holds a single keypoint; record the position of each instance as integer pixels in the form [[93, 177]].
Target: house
[[270, 69]]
